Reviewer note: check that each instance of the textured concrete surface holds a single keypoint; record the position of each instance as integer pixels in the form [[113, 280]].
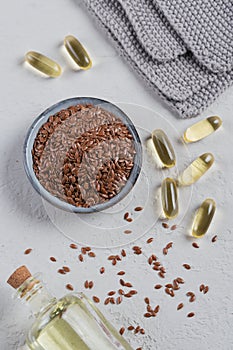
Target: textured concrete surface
[[27, 222]]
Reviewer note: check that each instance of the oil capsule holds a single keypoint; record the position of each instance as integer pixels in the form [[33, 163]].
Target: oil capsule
[[163, 148], [169, 195], [77, 52], [202, 129], [203, 218], [43, 64], [196, 169]]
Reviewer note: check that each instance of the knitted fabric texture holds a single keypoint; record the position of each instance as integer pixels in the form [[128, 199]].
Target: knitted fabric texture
[[158, 54], [154, 31], [206, 26]]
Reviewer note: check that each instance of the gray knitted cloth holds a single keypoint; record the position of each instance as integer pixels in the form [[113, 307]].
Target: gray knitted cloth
[[183, 49]]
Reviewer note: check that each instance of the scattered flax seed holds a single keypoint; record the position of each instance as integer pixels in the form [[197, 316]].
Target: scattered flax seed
[[192, 298], [206, 289], [91, 255], [180, 306], [156, 268], [129, 219], [53, 259], [114, 262], [112, 300], [165, 225], [150, 240], [191, 314], [173, 227], [122, 330], [128, 295], [162, 269], [137, 329], [111, 257], [214, 239], [128, 284], [175, 285], [139, 349], [121, 273], [149, 308], [137, 250], [83, 250], [80, 257], [187, 266], [86, 284], [90, 284], [195, 245], [142, 331], [157, 308], [201, 288], [123, 253], [157, 286], [119, 300], [107, 301], [69, 286], [88, 249], [66, 268], [179, 280], [147, 301], [121, 292], [122, 282], [169, 245], [169, 285], [111, 293], [165, 251], [147, 315], [61, 271], [126, 215], [138, 209], [150, 260], [168, 291], [102, 270], [73, 246], [130, 328], [27, 251], [96, 299], [127, 232], [133, 292], [161, 274], [189, 294]]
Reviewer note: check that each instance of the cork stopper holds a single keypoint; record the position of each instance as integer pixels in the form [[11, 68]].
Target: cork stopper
[[19, 277]]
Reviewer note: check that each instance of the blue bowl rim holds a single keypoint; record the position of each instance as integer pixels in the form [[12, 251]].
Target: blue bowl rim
[[58, 202]]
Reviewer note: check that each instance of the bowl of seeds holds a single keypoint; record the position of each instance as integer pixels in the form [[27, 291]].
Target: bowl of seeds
[[83, 154]]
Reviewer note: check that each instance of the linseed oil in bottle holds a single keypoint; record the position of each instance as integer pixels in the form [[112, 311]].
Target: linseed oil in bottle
[[71, 323]]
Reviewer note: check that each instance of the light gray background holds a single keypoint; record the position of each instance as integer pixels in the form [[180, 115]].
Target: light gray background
[[41, 25]]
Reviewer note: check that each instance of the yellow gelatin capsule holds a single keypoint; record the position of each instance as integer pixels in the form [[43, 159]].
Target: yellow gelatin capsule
[[196, 169], [203, 218], [163, 148], [202, 129], [169, 197], [77, 52], [43, 64]]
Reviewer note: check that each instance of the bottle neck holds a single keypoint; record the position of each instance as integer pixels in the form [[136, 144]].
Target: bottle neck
[[33, 293]]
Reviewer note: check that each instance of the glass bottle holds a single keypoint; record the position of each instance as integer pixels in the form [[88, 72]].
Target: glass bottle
[[70, 323]]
